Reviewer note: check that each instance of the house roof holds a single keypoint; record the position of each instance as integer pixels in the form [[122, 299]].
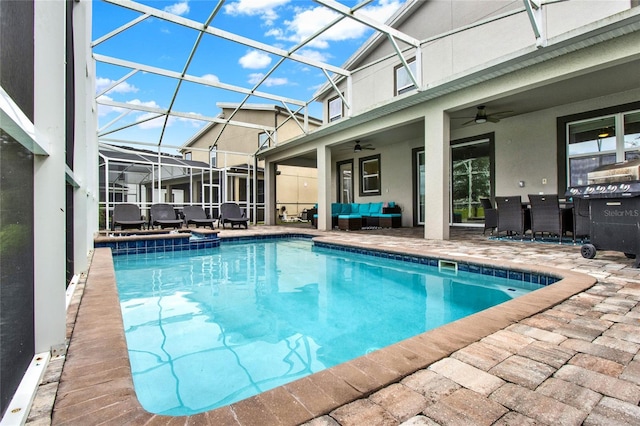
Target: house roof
[[144, 156], [245, 107]]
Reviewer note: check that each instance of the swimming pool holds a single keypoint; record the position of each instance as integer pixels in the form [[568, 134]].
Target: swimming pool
[[209, 327]]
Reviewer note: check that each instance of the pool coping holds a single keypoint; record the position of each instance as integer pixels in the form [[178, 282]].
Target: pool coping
[[96, 384]]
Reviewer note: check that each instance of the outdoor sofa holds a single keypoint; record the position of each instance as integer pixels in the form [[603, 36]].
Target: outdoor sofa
[[354, 216]]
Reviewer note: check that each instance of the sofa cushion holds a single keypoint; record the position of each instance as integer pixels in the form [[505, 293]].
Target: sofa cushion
[[346, 208], [350, 216], [363, 209], [375, 208], [335, 208]]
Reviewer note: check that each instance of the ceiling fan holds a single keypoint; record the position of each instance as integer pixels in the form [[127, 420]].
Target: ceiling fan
[[482, 116], [360, 147]]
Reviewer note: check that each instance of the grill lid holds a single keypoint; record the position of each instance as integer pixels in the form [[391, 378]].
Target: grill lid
[[609, 190], [618, 172]]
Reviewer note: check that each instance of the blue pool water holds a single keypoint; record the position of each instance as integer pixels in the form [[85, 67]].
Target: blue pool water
[[206, 328]]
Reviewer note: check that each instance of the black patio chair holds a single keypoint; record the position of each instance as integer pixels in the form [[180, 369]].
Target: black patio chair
[[511, 217], [490, 215], [127, 216], [231, 213], [164, 215], [197, 216], [546, 215]]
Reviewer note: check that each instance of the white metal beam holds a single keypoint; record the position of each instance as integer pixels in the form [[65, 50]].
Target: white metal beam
[[193, 79], [365, 20], [536, 17], [225, 35], [190, 116]]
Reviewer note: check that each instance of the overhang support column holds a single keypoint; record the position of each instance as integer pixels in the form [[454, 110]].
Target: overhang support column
[[437, 172], [269, 192], [324, 188]]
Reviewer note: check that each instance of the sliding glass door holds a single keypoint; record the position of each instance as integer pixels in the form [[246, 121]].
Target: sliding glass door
[[472, 171], [471, 179], [345, 181]]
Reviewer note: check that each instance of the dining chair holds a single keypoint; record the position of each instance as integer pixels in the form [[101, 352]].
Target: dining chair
[[546, 215], [510, 215], [490, 215]]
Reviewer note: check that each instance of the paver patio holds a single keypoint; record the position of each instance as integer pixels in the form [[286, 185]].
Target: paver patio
[[573, 360]]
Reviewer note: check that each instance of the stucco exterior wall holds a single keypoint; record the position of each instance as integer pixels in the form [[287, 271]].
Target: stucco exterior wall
[[525, 145], [460, 52]]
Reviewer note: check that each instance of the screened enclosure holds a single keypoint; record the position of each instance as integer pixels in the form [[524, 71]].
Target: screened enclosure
[[145, 178]]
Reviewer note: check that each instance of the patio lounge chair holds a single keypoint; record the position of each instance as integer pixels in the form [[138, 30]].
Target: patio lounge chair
[[490, 215], [164, 215], [127, 216], [197, 216], [231, 213]]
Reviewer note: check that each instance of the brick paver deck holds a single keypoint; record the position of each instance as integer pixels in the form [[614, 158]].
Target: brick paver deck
[[564, 355]]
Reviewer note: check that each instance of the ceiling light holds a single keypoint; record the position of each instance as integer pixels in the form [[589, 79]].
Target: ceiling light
[[481, 115], [603, 133], [357, 148]]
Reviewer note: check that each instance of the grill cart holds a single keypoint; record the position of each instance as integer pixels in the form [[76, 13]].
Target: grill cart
[[614, 199]]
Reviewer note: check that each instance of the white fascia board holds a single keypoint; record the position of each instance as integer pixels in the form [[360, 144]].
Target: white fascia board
[[18, 126]]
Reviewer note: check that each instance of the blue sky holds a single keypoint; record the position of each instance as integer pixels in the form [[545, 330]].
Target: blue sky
[[158, 43]]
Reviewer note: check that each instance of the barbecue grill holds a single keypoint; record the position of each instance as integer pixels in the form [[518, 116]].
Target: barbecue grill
[[613, 192]]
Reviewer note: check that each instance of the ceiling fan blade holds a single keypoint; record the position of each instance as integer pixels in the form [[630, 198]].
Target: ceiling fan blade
[[501, 113], [492, 119], [472, 121]]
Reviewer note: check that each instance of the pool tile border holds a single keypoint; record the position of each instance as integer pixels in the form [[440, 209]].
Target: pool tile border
[[93, 390], [526, 277], [140, 244]]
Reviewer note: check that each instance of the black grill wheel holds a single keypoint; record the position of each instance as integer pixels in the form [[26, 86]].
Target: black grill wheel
[[588, 251]]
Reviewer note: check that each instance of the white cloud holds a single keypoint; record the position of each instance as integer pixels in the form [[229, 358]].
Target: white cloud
[[150, 104], [151, 124], [124, 87], [314, 55], [141, 116], [269, 82], [274, 32], [255, 60], [306, 22], [383, 10], [104, 110], [266, 9], [181, 8], [211, 77]]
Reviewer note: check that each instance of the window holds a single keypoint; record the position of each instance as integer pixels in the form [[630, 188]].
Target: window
[[187, 155], [345, 182], [263, 140], [335, 108], [213, 156], [595, 142], [403, 82], [370, 176]]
